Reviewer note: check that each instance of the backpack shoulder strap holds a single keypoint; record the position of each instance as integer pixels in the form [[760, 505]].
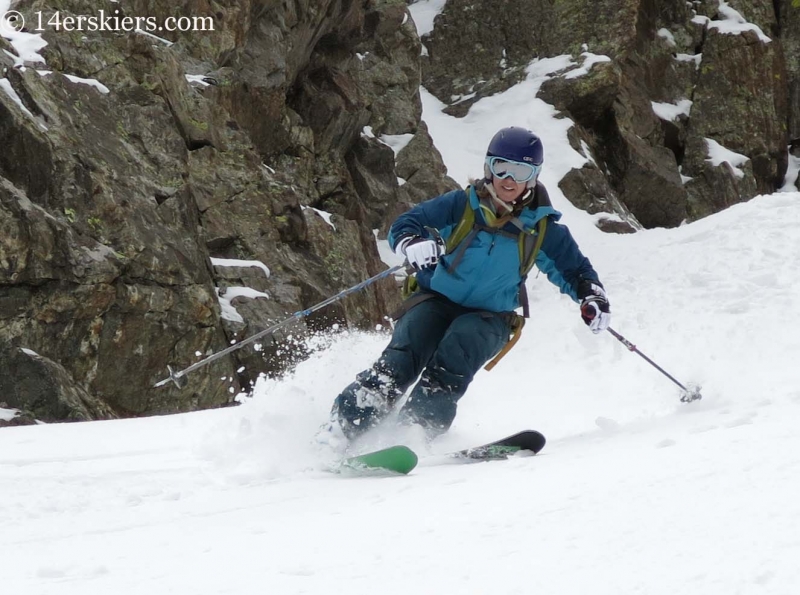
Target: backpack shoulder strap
[[463, 227], [529, 246], [462, 235]]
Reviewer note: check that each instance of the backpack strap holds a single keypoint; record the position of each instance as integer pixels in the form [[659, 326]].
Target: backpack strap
[[460, 253], [529, 246], [516, 323], [412, 299], [463, 228], [530, 243], [465, 231]]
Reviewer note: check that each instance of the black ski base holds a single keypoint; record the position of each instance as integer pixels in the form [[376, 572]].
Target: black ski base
[[529, 441]]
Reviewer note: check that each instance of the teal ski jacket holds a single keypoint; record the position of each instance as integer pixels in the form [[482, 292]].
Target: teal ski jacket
[[488, 274]]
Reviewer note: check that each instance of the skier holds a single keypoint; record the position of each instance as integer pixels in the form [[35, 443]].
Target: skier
[[463, 310]]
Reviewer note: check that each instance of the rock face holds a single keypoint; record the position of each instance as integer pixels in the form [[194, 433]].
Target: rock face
[[215, 182], [113, 204], [788, 26], [46, 391], [674, 74]]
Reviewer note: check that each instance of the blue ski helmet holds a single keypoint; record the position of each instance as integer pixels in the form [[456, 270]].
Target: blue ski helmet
[[516, 144]]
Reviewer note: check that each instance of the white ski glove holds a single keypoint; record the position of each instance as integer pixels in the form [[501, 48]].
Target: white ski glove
[[420, 252], [595, 309]]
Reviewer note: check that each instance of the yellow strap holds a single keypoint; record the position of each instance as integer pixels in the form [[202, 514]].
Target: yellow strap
[[463, 228], [526, 266], [520, 322]]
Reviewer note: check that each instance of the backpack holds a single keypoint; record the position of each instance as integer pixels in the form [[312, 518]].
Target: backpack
[[529, 245]]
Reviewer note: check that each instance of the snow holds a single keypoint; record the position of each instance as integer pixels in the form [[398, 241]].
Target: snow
[[423, 12], [197, 78], [235, 262], [29, 352], [589, 60], [461, 98], [463, 141], [792, 175], [672, 111], [326, 216], [397, 142], [228, 311], [717, 154], [667, 35], [91, 82], [18, 63], [587, 152], [696, 58], [8, 414], [634, 493], [26, 45], [247, 292], [734, 23], [731, 22], [5, 86], [227, 295]]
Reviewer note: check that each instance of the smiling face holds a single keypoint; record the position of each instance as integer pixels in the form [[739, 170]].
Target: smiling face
[[507, 189]]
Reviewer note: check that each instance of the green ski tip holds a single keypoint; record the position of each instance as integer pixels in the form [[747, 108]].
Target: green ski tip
[[396, 459]]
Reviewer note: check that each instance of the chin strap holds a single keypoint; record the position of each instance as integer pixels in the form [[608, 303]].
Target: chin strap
[[525, 199]]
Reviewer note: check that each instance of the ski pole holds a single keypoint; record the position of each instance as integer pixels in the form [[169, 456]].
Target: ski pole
[[687, 396], [179, 377]]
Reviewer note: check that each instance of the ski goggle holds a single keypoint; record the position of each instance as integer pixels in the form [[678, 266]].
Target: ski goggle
[[517, 170]]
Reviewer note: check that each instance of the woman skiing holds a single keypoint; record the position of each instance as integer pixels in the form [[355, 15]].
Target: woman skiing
[[472, 250]]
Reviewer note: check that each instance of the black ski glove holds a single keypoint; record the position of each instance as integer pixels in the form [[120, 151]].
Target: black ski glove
[[595, 309]]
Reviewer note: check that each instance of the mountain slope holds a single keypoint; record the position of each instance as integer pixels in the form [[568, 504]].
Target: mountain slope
[[634, 491]]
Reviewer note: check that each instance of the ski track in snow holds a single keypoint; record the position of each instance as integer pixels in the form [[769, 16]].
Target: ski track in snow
[[634, 493]]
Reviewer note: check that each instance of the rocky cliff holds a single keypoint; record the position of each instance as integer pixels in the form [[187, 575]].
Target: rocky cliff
[[164, 194], [666, 76]]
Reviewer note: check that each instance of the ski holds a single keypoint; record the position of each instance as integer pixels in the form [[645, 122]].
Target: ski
[[529, 440], [395, 459], [402, 460]]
